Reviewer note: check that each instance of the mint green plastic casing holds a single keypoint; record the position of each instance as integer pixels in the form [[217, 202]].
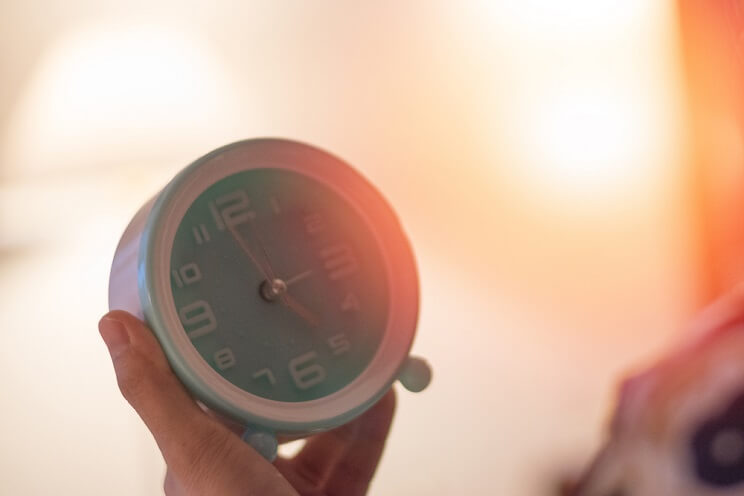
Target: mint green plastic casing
[[347, 182]]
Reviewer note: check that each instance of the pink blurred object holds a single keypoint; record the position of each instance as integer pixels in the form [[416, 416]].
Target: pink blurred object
[[678, 427]]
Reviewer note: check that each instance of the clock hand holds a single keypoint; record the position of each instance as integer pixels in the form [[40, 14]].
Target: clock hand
[[299, 277], [273, 287], [278, 287], [239, 239], [261, 245], [271, 290], [301, 310]]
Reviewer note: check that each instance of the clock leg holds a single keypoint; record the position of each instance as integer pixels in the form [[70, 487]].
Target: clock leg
[[262, 441], [415, 374]]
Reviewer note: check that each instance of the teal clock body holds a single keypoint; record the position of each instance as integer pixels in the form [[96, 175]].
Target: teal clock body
[[280, 285]]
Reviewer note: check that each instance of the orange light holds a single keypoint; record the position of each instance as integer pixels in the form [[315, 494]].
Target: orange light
[[584, 139]]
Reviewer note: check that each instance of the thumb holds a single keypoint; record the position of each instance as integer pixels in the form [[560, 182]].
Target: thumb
[[202, 453]]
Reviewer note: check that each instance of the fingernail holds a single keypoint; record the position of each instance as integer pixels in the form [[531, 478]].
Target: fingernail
[[115, 336]]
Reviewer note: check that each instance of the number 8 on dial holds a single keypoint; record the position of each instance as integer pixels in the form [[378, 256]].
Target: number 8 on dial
[[280, 285]]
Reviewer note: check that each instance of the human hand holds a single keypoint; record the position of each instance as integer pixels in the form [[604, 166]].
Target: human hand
[[205, 457]]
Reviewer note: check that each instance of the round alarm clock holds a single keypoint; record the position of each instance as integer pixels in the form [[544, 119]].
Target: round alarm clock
[[279, 284]]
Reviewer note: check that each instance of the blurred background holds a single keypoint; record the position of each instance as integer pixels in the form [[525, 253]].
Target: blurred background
[[570, 174]]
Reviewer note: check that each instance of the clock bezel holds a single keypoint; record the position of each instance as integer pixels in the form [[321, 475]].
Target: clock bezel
[[159, 309]]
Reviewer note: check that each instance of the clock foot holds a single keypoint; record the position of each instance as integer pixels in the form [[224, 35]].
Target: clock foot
[[415, 374], [262, 441]]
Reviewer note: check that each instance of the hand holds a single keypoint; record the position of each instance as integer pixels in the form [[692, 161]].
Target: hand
[[205, 457]]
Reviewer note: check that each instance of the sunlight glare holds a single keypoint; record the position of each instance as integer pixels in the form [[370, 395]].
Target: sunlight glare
[[119, 93], [584, 138]]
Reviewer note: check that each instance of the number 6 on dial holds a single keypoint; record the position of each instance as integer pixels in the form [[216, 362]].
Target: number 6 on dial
[[305, 373]]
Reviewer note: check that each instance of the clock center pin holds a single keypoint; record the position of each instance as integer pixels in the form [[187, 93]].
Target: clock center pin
[[271, 290]]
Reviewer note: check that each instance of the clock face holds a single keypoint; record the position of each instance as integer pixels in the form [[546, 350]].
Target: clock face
[[280, 284]]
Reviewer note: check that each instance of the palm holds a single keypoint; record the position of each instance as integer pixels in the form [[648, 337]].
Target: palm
[[205, 454], [342, 461], [338, 462]]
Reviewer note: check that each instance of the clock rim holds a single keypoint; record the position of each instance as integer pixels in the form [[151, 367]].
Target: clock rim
[[159, 309]]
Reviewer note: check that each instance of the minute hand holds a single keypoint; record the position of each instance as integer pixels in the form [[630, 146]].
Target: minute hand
[[241, 242], [300, 310]]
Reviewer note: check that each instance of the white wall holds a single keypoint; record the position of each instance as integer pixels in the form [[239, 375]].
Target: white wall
[[546, 271]]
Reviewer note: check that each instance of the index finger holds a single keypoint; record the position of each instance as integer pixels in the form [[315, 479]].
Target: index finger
[[342, 461]]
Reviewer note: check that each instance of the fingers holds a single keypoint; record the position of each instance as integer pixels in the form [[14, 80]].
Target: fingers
[[353, 473], [203, 455], [146, 380], [343, 461], [172, 486]]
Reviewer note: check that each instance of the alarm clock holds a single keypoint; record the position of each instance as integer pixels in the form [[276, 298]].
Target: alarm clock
[[280, 285]]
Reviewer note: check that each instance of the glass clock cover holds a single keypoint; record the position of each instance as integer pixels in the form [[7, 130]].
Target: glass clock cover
[[325, 322], [279, 284]]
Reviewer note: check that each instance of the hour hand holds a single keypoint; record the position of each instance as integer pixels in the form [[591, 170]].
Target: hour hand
[[265, 271]]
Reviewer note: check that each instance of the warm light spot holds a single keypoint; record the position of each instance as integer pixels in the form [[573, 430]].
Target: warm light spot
[[584, 140], [119, 93], [567, 19], [292, 448], [592, 96]]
